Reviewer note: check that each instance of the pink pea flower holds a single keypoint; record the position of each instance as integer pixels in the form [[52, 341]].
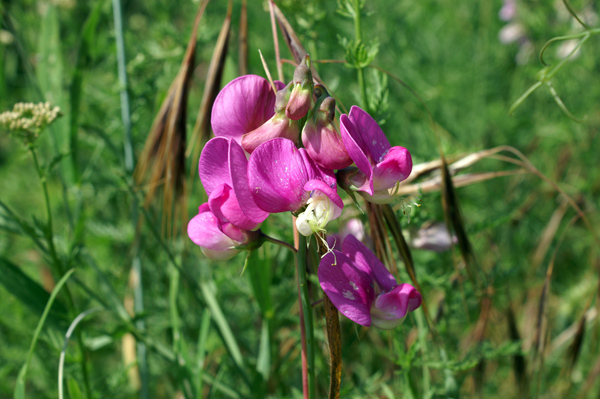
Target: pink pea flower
[[223, 169], [284, 178], [362, 289], [217, 240], [321, 139], [243, 105], [380, 166]]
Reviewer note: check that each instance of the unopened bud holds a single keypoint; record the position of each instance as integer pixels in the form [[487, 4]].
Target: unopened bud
[[301, 96]]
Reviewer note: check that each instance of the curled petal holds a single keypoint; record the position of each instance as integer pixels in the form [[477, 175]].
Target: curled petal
[[243, 105], [375, 143], [225, 206], [395, 166], [348, 287], [390, 308], [277, 126], [204, 230]]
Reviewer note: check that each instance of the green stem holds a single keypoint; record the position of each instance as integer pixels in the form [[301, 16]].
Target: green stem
[[136, 267], [306, 322], [278, 242], [49, 232], [360, 71]]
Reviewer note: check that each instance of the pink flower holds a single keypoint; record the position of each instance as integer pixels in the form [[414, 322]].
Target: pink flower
[[362, 289], [284, 178], [217, 240], [243, 105], [380, 166], [223, 169]]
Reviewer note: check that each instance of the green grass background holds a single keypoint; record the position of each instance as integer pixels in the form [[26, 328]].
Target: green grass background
[[449, 53]]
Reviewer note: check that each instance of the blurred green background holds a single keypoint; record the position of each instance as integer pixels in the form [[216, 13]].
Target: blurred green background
[[454, 55]]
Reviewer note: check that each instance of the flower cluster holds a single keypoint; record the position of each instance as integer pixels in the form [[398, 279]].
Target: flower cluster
[[277, 149], [28, 120]]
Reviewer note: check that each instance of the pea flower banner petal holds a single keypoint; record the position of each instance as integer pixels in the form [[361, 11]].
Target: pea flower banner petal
[[380, 165], [284, 178], [362, 289], [223, 169], [243, 105]]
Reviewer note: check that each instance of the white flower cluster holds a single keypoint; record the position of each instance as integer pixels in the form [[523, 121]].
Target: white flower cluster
[[29, 119]]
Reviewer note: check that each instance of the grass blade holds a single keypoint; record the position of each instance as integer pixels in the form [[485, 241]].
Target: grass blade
[[22, 377], [29, 292], [206, 287]]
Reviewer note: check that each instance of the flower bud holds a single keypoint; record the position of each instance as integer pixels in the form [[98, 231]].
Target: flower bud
[[301, 96], [321, 139]]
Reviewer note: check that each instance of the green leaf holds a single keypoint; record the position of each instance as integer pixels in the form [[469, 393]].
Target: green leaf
[[74, 390], [29, 292], [358, 53]]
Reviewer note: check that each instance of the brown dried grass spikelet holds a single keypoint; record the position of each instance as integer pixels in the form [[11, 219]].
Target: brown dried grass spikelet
[[212, 85], [162, 162]]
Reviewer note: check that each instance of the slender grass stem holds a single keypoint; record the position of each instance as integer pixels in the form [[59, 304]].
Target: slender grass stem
[[360, 71], [49, 231], [136, 267]]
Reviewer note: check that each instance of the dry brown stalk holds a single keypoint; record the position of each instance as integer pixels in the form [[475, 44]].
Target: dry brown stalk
[[162, 161]]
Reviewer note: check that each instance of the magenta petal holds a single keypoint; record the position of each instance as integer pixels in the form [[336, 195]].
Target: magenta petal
[[325, 146], [277, 174], [277, 126], [319, 185], [375, 142], [242, 105], [238, 172], [395, 166], [354, 145], [366, 260], [390, 309], [204, 231], [348, 288], [226, 207], [213, 166]]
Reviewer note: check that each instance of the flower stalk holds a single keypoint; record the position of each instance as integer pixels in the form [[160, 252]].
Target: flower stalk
[[306, 323], [334, 336]]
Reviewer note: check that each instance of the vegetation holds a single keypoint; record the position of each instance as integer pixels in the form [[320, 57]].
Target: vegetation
[[102, 293]]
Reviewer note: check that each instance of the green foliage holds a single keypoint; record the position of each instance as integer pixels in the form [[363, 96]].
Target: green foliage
[[210, 331]]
